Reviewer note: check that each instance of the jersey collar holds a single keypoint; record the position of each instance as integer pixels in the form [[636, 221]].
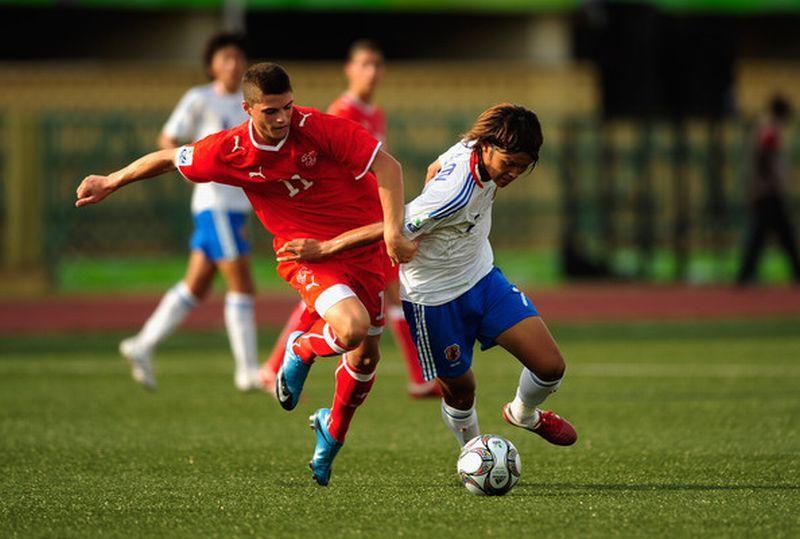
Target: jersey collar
[[474, 166], [265, 147]]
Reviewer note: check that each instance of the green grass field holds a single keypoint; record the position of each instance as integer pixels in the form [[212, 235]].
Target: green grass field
[[154, 274], [689, 429]]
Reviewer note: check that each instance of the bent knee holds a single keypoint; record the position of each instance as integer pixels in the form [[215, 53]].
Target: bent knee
[[353, 333], [463, 400], [552, 370], [458, 395]]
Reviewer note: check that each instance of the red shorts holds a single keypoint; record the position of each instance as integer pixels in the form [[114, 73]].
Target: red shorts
[[323, 284]]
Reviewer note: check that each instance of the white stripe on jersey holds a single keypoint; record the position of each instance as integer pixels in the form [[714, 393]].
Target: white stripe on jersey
[[371, 160]]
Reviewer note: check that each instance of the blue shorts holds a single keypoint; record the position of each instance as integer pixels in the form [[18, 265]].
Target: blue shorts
[[445, 334], [220, 234]]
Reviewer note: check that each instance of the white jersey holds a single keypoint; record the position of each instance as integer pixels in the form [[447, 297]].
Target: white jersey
[[453, 217], [201, 112]]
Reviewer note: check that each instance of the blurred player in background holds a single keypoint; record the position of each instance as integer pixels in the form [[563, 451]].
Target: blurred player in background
[[220, 216], [453, 294], [304, 171], [766, 193], [364, 69]]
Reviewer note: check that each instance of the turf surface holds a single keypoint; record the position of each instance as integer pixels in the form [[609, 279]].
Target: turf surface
[[686, 429], [154, 274]]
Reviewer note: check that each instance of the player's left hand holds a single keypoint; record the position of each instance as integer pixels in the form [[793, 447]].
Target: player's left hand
[[300, 249], [433, 170], [400, 249], [93, 189]]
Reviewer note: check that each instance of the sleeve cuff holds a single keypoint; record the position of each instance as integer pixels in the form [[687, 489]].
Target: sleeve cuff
[[180, 160], [371, 160]]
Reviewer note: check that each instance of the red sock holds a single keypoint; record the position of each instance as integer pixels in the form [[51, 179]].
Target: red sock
[[352, 388], [296, 322], [318, 341], [402, 334]]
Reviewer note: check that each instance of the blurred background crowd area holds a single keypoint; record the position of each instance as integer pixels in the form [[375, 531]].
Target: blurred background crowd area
[[648, 110]]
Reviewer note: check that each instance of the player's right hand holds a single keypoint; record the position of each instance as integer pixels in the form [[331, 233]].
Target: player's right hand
[[93, 189], [400, 249], [300, 249]]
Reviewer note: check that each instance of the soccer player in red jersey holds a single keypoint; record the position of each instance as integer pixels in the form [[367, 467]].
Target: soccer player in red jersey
[[364, 69], [304, 172]]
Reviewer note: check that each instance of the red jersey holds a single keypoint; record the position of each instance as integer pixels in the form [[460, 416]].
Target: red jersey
[[369, 116], [315, 183]]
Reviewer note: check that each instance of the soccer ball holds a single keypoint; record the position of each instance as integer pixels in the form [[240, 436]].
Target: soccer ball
[[489, 465]]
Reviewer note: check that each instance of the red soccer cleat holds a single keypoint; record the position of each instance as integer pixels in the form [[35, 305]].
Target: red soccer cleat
[[550, 426]]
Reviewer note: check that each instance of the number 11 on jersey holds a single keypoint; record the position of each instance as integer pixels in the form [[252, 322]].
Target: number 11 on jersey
[[294, 190]]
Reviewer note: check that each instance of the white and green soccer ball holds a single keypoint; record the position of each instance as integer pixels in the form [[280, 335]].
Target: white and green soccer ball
[[489, 465]]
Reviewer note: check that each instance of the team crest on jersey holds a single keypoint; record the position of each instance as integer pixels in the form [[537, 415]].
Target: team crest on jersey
[[452, 353], [302, 275], [309, 159], [306, 278], [185, 156]]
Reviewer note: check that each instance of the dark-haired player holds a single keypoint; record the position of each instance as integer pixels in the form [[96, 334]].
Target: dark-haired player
[[453, 294], [304, 173], [364, 69], [220, 214]]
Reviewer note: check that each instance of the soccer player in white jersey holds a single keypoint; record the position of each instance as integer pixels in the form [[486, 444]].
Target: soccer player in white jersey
[[220, 216], [453, 294]]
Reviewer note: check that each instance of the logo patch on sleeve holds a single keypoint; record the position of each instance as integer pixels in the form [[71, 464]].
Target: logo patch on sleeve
[[185, 156], [414, 226]]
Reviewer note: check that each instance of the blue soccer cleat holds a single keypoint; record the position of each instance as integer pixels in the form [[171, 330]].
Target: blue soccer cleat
[[291, 376], [326, 449]]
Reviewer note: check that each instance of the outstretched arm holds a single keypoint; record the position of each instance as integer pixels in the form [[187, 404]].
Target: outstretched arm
[[311, 249], [95, 188]]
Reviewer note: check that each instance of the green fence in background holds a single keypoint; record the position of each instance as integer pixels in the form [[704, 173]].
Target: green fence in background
[[3, 186], [151, 217], [638, 196], [638, 199]]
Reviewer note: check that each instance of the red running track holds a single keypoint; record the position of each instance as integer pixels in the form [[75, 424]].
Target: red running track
[[588, 303]]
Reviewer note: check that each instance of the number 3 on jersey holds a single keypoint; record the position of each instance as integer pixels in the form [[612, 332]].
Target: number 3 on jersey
[[306, 184]]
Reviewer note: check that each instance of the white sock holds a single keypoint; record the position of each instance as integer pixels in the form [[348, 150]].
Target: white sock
[[241, 324], [463, 423], [532, 391], [171, 311], [395, 312]]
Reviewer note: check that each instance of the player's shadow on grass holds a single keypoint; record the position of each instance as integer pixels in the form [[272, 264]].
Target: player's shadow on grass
[[539, 489]]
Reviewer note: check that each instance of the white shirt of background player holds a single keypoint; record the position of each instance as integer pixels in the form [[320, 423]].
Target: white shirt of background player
[[203, 111]]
